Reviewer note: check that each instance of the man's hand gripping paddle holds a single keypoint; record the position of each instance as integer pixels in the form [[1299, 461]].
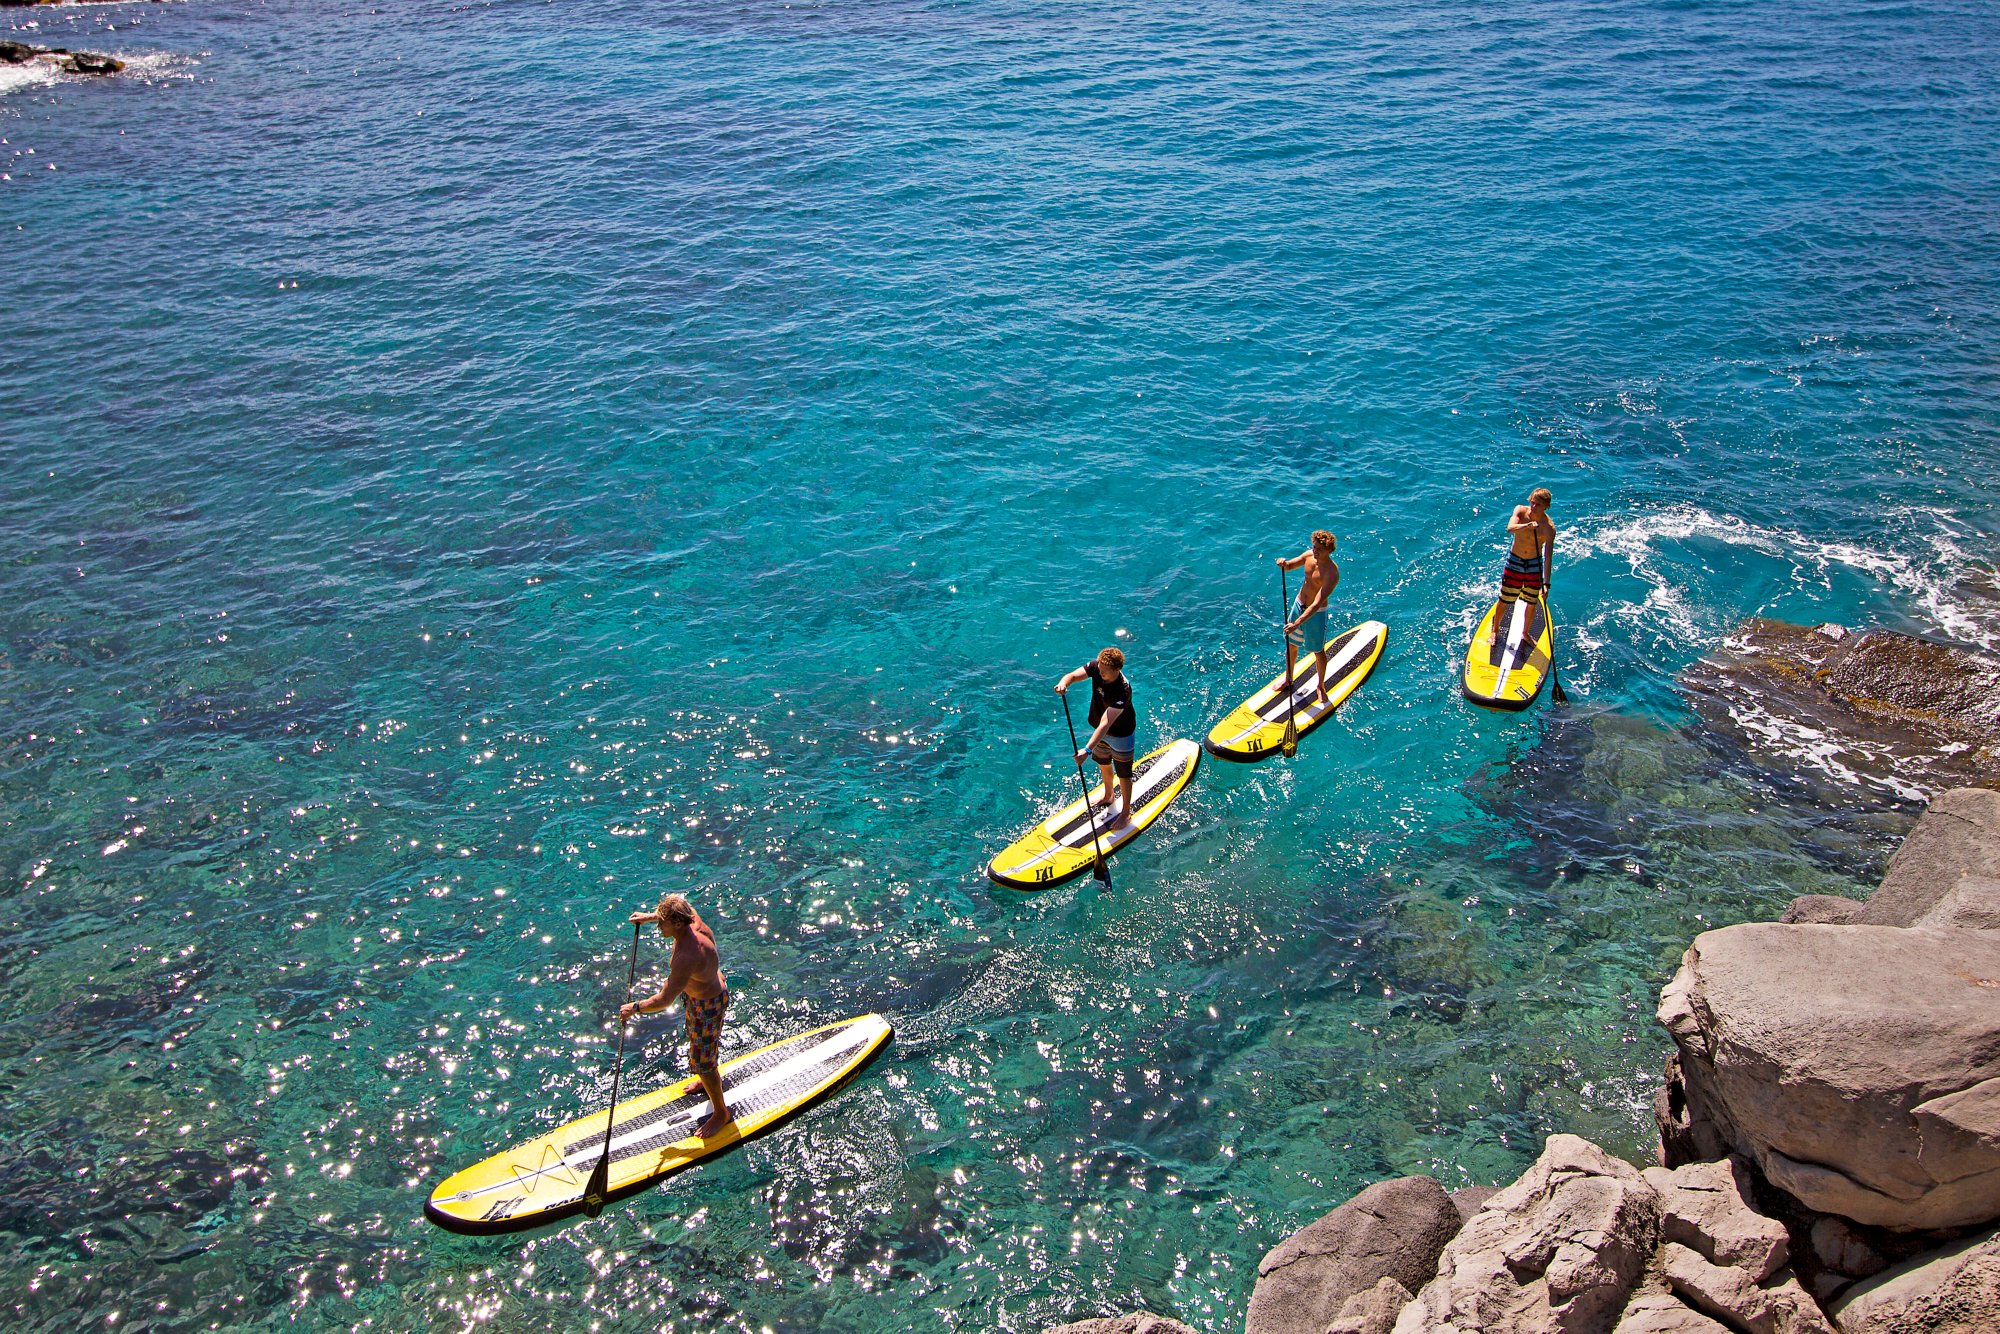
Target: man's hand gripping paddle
[[599, 1188]]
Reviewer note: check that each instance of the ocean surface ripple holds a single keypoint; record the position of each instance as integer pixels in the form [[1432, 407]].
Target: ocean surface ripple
[[475, 466]]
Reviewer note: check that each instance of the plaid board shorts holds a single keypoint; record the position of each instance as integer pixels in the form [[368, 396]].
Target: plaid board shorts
[[704, 1020]]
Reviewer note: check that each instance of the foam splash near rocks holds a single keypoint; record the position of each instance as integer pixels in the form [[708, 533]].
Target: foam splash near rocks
[[1887, 711]]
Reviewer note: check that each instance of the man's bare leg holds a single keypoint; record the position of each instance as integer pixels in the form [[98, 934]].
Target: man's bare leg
[[711, 1083], [1112, 815], [1125, 786]]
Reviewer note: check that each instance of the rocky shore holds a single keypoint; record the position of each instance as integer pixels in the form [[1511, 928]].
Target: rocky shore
[[1829, 1120]]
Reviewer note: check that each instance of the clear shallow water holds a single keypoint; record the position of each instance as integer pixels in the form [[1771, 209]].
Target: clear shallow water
[[473, 467]]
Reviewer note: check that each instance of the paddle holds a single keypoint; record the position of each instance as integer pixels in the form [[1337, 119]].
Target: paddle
[[1556, 691], [600, 1176], [1290, 745], [1100, 871]]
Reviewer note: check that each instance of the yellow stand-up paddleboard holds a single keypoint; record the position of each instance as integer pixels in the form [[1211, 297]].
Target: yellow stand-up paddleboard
[[1060, 848], [652, 1135], [1508, 673], [1255, 729]]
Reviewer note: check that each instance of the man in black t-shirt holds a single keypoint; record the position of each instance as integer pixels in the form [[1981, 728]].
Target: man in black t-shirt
[[1112, 723]]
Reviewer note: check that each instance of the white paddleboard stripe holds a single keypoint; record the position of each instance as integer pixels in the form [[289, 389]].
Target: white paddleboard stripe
[[837, 1045], [1511, 649], [1144, 793]]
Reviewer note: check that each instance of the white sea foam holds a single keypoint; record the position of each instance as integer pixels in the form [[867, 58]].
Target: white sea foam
[[34, 74], [1844, 758], [150, 67], [1931, 579]]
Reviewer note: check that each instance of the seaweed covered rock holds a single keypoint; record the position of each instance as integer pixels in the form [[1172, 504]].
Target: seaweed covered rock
[[1906, 713], [1858, 1067], [1558, 1252], [1394, 1229]]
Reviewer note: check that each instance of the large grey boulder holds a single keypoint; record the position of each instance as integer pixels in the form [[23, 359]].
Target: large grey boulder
[[1373, 1311], [1655, 1310], [1393, 1229], [1958, 836], [1778, 1305], [1557, 1252], [1954, 1290], [1139, 1322], [1858, 1067], [1707, 1208]]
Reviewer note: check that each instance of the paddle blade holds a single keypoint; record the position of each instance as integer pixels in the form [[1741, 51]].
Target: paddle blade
[[598, 1187], [1290, 745], [1557, 693], [1101, 873]]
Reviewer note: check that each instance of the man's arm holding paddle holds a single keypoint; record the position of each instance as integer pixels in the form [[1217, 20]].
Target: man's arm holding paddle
[[676, 983]]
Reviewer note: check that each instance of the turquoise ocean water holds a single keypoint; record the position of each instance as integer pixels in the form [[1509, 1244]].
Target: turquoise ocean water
[[472, 467]]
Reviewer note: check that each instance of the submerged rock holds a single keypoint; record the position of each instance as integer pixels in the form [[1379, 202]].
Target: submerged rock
[[1908, 715], [1393, 1230], [1137, 1322], [1858, 1067]]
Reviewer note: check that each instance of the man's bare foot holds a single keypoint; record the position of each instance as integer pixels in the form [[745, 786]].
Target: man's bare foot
[[714, 1125], [1322, 698]]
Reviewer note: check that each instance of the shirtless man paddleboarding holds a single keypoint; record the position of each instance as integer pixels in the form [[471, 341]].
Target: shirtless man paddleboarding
[[1307, 628], [1530, 557], [697, 974]]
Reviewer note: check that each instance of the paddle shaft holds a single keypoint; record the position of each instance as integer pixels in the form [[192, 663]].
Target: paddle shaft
[[1102, 872], [1291, 741], [593, 1194], [1556, 692]]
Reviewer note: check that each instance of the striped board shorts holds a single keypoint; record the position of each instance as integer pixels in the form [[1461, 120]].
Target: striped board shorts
[[1523, 574]]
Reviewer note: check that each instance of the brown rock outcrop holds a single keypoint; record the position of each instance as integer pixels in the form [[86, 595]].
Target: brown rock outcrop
[[1137, 1322], [1876, 1098], [1904, 711], [1394, 1229], [1953, 1290], [1557, 1252]]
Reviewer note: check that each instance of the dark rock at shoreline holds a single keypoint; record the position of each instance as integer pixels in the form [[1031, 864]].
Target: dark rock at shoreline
[[74, 62], [1394, 1229], [1469, 1200], [1892, 708], [1825, 909]]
